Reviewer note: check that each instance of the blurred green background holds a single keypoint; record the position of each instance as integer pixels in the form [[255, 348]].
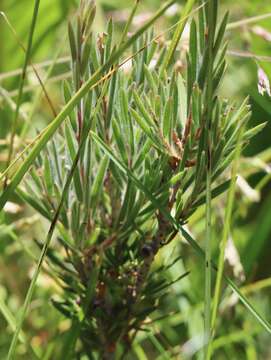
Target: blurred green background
[[239, 336]]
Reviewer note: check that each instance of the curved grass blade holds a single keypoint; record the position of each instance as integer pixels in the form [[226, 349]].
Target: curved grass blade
[[12, 323], [247, 21], [41, 65], [22, 80], [211, 8], [7, 314]]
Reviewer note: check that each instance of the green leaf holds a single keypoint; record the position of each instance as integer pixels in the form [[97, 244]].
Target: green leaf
[[98, 183], [35, 203], [147, 117], [182, 101], [72, 42], [124, 105], [118, 138], [108, 45], [112, 99], [193, 49], [221, 33], [72, 150], [167, 120], [254, 131], [145, 127], [177, 35], [150, 79], [201, 28], [48, 175], [86, 51]]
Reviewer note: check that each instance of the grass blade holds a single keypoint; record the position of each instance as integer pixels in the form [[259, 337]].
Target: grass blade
[[225, 235], [212, 14], [22, 80], [250, 20]]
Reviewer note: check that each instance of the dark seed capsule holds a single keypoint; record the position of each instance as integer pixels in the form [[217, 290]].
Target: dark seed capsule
[[146, 251]]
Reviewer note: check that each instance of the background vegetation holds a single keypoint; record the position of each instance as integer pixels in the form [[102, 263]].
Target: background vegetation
[[239, 336]]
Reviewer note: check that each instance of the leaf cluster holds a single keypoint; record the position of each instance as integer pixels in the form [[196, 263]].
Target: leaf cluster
[[166, 132]]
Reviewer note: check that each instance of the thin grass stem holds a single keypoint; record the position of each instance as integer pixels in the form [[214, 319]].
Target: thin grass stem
[[248, 21], [225, 235], [22, 81], [209, 112]]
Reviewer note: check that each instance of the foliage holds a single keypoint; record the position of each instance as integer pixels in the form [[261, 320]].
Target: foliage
[[123, 168]]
